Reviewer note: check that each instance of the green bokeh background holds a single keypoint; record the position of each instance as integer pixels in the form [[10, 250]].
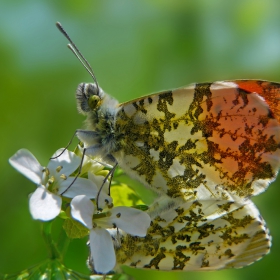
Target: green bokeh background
[[135, 48]]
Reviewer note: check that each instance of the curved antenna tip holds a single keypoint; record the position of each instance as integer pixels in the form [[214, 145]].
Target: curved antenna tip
[[77, 53]]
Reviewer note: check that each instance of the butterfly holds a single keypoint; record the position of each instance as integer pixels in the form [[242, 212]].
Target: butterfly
[[205, 149], [209, 140], [197, 235], [209, 147]]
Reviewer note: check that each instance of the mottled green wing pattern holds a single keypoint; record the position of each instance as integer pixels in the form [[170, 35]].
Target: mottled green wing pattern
[[200, 235], [213, 140]]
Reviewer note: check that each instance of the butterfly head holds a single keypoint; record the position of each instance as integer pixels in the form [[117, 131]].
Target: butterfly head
[[89, 97]]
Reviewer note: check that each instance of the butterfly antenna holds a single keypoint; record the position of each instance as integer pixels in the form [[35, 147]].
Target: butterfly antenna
[[77, 53]]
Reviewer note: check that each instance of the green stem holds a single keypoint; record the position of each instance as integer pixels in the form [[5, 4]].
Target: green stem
[[51, 246], [63, 242]]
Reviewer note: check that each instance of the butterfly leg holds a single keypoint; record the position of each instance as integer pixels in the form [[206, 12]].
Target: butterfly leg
[[110, 173], [69, 143]]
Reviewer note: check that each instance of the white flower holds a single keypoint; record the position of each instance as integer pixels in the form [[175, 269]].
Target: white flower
[[52, 181], [94, 168], [103, 199], [130, 220]]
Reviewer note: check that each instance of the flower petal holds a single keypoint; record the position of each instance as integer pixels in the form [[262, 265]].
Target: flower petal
[[102, 250], [91, 165], [68, 160], [98, 181], [104, 198], [24, 162], [44, 205], [131, 220], [80, 186], [82, 210], [96, 166]]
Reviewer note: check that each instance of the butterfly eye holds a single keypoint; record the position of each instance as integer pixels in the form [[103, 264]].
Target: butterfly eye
[[93, 102]]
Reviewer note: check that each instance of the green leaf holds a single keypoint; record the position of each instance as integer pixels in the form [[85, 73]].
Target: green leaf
[[136, 190], [122, 276], [141, 207], [74, 229], [123, 195]]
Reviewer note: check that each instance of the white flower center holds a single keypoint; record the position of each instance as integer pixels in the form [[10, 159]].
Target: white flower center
[[52, 179]]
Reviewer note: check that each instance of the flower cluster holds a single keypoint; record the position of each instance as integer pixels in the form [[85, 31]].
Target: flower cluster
[[58, 183]]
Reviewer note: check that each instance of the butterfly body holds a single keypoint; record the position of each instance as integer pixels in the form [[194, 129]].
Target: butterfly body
[[219, 140]]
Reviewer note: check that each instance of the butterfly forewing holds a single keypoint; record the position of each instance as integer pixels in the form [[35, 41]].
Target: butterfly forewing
[[200, 235], [216, 140]]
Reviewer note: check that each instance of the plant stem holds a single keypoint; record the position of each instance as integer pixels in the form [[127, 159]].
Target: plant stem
[[51, 246]]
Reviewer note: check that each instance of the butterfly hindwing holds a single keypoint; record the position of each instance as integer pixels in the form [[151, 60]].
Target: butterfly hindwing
[[199, 235]]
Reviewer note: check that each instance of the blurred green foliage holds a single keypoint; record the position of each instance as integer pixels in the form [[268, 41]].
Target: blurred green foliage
[[135, 48]]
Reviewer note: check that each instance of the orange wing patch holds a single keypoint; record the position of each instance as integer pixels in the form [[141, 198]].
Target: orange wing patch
[[268, 90]]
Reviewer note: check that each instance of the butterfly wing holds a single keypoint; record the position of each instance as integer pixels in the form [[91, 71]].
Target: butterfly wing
[[200, 235], [217, 140]]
